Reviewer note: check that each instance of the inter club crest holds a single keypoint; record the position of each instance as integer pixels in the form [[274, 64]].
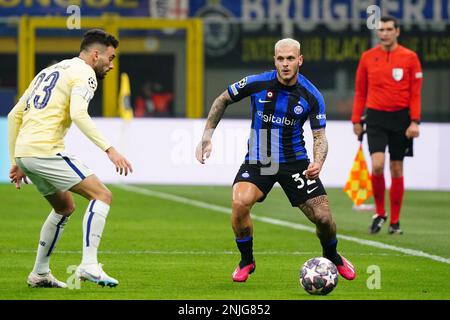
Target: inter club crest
[[298, 109]]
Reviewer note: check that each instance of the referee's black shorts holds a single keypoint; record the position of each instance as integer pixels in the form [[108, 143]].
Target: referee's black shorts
[[388, 129]]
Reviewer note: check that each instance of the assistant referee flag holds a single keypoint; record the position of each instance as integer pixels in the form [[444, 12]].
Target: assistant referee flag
[[125, 110], [359, 186]]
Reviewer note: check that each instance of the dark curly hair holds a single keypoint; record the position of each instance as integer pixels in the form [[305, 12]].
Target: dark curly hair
[[98, 36]]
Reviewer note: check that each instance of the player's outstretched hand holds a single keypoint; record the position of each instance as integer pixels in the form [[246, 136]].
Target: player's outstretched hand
[[121, 163], [313, 171], [17, 175], [203, 150]]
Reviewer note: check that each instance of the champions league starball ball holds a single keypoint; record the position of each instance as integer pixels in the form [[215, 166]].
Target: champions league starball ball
[[318, 276]]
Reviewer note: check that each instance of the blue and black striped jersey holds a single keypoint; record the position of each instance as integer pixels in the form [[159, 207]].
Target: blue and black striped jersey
[[278, 115]]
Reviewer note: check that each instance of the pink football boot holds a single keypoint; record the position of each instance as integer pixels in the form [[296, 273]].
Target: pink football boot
[[241, 274], [346, 270]]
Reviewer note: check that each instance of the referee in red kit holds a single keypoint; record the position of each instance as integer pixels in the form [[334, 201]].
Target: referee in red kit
[[388, 82]]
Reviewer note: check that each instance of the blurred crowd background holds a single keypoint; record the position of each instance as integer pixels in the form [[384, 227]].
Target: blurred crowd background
[[238, 40]]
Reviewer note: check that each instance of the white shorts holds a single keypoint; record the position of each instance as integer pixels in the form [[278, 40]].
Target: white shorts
[[52, 174]]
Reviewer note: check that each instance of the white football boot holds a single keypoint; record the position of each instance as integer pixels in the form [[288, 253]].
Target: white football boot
[[95, 273], [44, 281]]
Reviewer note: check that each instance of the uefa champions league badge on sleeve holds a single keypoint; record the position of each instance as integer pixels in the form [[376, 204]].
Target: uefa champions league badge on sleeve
[[92, 83]]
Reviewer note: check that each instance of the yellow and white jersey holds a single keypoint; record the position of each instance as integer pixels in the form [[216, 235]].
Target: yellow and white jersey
[[57, 96]]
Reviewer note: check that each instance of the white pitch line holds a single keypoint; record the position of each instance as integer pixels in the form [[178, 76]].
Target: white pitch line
[[191, 252], [168, 252], [287, 224]]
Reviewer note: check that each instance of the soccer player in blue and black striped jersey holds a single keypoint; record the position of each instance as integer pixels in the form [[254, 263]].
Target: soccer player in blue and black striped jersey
[[281, 101]]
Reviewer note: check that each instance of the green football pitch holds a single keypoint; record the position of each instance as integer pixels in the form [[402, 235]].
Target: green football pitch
[[176, 243]]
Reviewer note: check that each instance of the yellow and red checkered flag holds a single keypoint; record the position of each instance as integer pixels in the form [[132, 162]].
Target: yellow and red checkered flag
[[359, 186]]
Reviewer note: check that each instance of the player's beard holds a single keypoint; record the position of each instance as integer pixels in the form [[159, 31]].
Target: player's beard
[[100, 73]]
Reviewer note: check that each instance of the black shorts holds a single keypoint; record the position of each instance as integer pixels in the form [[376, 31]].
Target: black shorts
[[290, 176], [388, 129]]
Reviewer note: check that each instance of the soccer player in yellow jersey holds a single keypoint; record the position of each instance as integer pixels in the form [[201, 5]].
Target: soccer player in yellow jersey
[[37, 125]]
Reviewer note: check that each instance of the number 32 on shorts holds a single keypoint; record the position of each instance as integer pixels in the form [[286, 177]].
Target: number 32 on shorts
[[298, 179]]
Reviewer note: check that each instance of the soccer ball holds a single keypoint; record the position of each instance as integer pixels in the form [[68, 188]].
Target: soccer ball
[[318, 276]]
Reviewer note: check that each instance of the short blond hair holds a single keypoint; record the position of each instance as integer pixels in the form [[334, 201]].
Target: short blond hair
[[287, 42]]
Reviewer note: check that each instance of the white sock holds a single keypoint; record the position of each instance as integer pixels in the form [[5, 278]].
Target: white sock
[[50, 233], [93, 225]]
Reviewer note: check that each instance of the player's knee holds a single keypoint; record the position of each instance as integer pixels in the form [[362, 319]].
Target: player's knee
[[67, 210], [323, 219], [377, 169], [396, 170], [70, 209], [241, 206], [105, 196], [108, 195]]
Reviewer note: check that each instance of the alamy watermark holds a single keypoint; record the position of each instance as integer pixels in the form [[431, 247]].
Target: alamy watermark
[[229, 147], [74, 20], [73, 282], [373, 17], [374, 280]]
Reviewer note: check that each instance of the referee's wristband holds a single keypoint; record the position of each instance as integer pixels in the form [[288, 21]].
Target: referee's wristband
[[416, 121]]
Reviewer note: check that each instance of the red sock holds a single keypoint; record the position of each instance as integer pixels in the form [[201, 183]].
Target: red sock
[[396, 194], [379, 188]]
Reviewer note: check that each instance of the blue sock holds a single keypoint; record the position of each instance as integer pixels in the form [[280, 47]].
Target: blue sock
[[245, 246]]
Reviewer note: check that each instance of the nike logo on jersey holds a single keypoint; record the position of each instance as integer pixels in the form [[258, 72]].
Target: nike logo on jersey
[[309, 191], [263, 101]]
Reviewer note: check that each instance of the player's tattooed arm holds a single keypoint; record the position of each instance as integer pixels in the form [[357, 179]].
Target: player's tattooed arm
[[204, 148], [320, 148], [216, 113]]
